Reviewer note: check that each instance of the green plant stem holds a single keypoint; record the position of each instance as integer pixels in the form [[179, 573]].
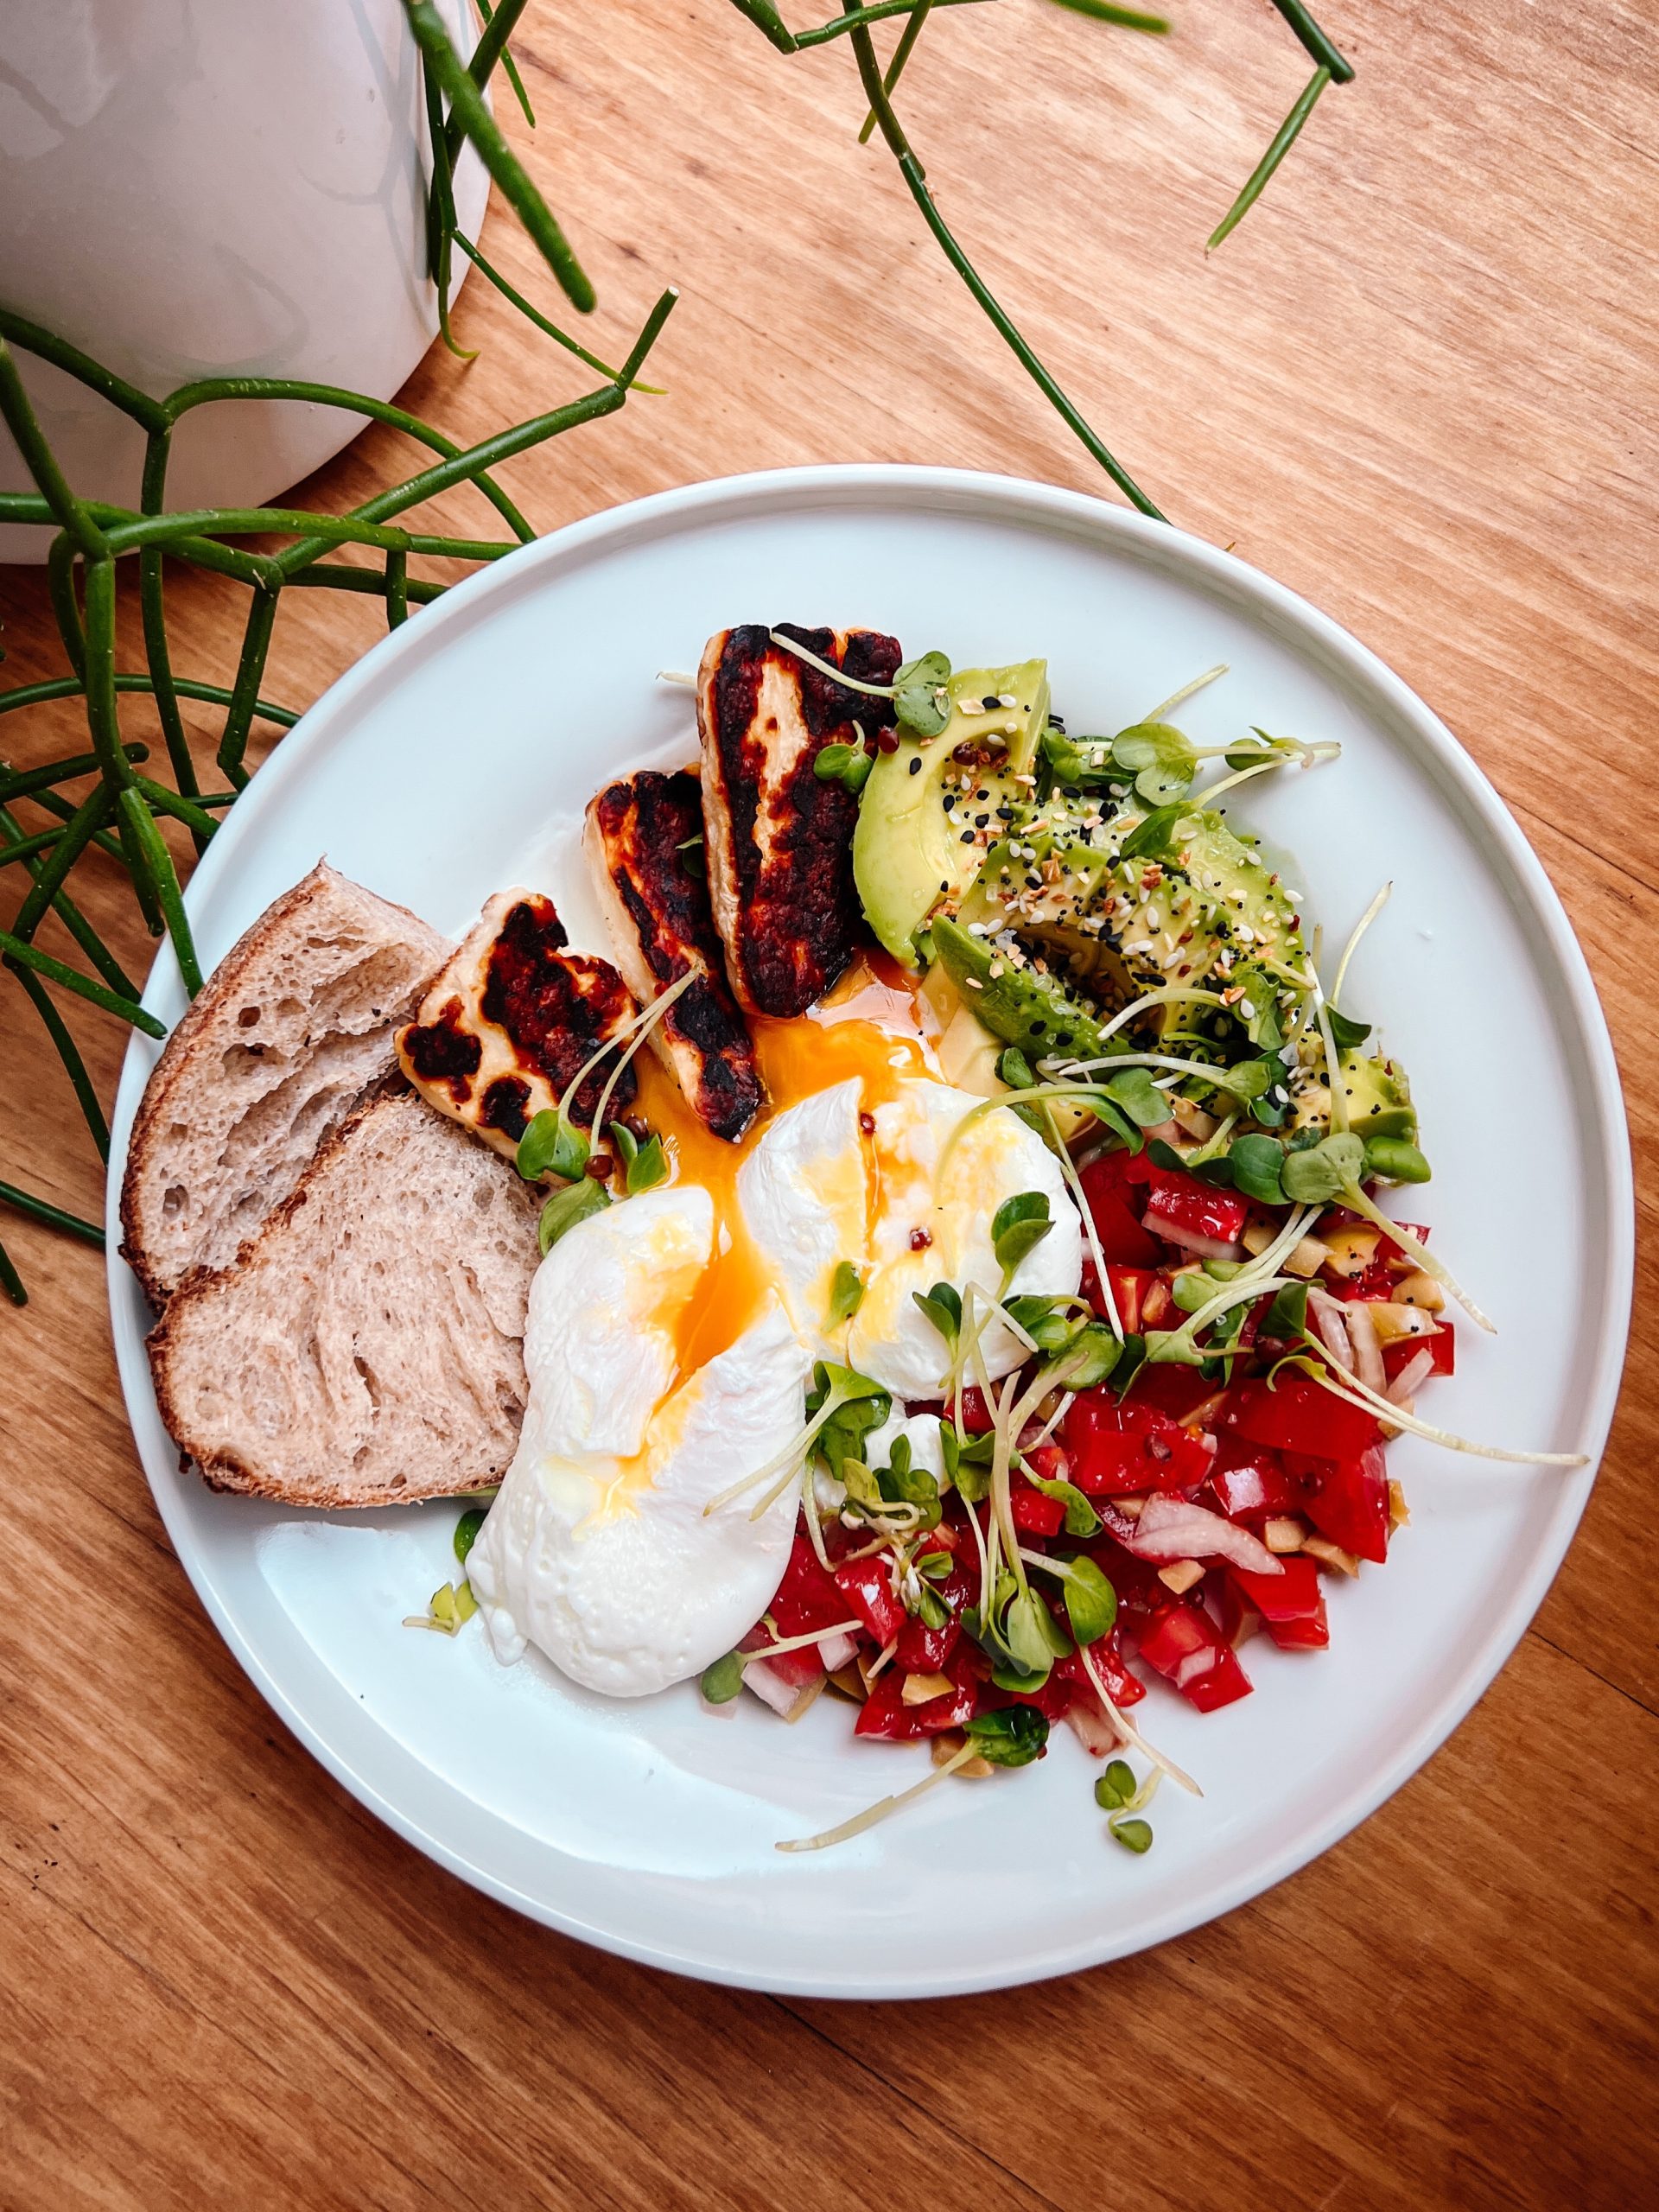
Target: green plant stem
[[467, 109], [397, 590], [57, 971], [93, 811], [901, 53], [765, 18], [1129, 19], [62, 355], [64, 810], [11, 1282], [334, 575], [534, 314], [23, 847], [43, 1210], [151, 498], [159, 861], [71, 915], [1284, 139], [1323, 49], [65, 607], [103, 719], [40, 462], [19, 783], [500, 24], [238, 716], [860, 19], [69, 1053], [67, 687], [192, 812], [441, 220], [911, 168]]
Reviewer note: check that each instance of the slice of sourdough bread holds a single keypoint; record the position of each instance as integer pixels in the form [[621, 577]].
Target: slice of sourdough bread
[[366, 1349], [295, 1025]]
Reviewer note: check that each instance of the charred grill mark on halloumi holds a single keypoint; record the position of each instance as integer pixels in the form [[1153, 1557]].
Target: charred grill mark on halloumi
[[510, 1021], [657, 907], [779, 841]]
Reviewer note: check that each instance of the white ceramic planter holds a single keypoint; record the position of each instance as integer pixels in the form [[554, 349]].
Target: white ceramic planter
[[201, 188]]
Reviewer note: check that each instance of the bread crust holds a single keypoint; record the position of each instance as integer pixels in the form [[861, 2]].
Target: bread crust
[[206, 1032]]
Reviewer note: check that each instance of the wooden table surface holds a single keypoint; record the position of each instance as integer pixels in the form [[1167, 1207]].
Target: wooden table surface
[[1419, 386]]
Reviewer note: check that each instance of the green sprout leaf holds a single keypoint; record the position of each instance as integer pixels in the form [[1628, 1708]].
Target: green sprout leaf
[[1091, 1356], [551, 1146], [1392, 1160], [1081, 1518], [1014, 1736], [1133, 1835], [846, 1293], [921, 699], [1090, 1601], [466, 1530], [1114, 1789], [932, 1609], [967, 1461], [1016, 1070], [1050, 1323], [1160, 757], [1347, 1035], [1019, 1226], [849, 765], [942, 1307], [1150, 838], [1287, 1320], [721, 1682], [648, 1167], [860, 1406], [1257, 1163], [1324, 1170], [567, 1207], [1139, 1097]]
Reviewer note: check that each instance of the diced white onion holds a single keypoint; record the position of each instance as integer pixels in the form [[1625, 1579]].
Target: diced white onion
[[835, 1652], [1410, 1379], [1362, 1334], [1169, 1528], [769, 1686]]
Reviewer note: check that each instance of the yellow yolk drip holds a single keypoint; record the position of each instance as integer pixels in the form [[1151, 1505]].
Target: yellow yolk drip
[[870, 1027]]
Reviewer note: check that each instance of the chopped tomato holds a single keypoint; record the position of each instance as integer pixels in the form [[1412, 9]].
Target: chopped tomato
[[975, 1414], [1034, 1514], [1347, 1499], [1251, 1481], [798, 1668], [1129, 1288], [1173, 1389], [924, 1651], [807, 1597], [1116, 1450], [1051, 1697], [1186, 1204], [1187, 1648], [1106, 1654], [886, 1714], [1401, 1351], [1109, 1190], [865, 1585], [1292, 1605], [1298, 1415]]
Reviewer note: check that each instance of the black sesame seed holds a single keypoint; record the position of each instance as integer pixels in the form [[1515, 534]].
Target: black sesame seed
[[916, 765]]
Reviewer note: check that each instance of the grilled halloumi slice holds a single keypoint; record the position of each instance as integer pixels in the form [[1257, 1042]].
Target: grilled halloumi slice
[[644, 842], [511, 1020], [779, 841]]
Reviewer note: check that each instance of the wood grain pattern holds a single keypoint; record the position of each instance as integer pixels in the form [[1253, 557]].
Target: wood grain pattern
[[1419, 385]]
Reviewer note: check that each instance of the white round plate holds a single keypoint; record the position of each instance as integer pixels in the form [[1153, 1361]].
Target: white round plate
[[454, 761]]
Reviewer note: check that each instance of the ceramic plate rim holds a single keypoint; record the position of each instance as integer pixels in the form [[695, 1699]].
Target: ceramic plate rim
[[734, 498]]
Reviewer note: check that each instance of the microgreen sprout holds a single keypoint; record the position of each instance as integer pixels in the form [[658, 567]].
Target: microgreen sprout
[[846, 1293], [834, 1389], [567, 1207], [1115, 1787], [466, 1530], [1318, 1365], [448, 1611], [1019, 1225]]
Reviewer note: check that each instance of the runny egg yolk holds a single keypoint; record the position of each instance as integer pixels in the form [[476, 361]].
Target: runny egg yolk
[[871, 1026]]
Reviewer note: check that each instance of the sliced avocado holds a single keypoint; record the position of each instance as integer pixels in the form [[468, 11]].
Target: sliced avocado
[[908, 853], [1014, 999], [1378, 1097]]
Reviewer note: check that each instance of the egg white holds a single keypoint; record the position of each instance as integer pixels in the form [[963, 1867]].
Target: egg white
[[597, 1549], [815, 1147]]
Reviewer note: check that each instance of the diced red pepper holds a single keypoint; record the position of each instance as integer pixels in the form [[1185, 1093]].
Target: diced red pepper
[[1400, 1351], [1052, 1697], [1187, 1648], [924, 1651], [886, 1714], [1347, 1499], [1034, 1514], [1292, 1605], [1298, 1415], [1233, 1616], [975, 1414], [798, 1669], [1106, 1654], [1185, 1202], [1129, 1288], [864, 1584], [1115, 1449], [1109, 1192], [1251, 1481], [807, 1597], [1174, 1390]]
